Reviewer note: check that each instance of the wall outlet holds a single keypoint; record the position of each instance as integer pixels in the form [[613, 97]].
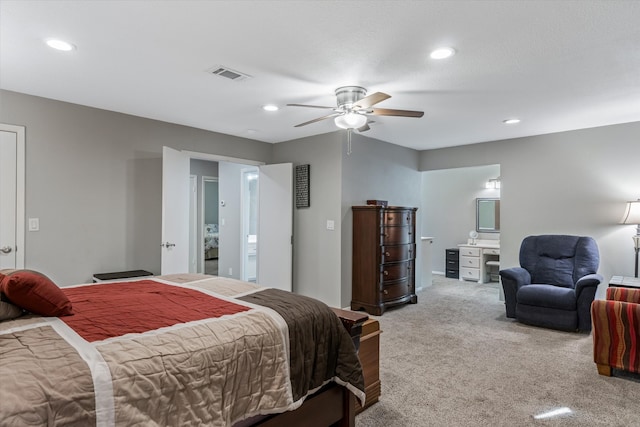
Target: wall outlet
[[230, 271], [331, 225]]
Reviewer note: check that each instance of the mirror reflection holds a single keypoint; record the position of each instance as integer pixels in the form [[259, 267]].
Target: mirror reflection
[[488, 215]]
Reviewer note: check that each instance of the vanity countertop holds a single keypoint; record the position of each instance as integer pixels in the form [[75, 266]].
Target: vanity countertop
[[488, 244]]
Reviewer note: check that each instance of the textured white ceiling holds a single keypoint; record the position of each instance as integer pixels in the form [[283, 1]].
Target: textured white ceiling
[[557, 65]]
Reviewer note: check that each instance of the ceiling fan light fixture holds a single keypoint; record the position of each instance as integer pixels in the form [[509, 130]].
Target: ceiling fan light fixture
[[270, 107], [350, 121]]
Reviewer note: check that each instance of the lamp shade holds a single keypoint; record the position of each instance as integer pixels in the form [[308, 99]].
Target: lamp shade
[[350, 121], [632, 213]]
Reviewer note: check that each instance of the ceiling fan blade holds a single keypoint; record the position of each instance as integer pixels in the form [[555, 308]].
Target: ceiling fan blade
[[370, 100], [310, 106], [328, 116], [401, 113]]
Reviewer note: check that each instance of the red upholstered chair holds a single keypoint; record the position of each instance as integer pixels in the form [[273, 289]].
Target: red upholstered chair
[[616, 331]]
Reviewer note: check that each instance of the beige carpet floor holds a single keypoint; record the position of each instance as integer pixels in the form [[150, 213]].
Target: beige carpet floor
[[454, 359]]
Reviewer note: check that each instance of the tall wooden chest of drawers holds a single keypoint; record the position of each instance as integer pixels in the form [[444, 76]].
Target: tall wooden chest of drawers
[[384, 252]]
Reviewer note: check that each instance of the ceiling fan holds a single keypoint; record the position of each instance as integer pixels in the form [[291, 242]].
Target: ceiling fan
[[353, 108]]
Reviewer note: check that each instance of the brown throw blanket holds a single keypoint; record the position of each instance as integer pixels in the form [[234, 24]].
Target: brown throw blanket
[[320, 346]]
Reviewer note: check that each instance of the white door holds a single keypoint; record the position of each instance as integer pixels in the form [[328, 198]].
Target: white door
[[275, 226], [175, 212], [12, 167]]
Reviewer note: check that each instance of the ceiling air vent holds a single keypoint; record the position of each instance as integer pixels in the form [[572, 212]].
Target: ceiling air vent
[[229, 73]]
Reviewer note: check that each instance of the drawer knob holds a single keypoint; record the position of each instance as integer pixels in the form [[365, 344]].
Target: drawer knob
[[386, 273], [386, 292], [387, 254]]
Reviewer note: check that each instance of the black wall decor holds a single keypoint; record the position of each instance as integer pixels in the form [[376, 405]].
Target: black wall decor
[[303, 199]]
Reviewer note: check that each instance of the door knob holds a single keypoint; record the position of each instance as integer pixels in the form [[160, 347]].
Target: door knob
[[6, 249]]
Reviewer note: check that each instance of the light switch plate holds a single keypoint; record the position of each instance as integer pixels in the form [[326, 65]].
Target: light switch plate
[[34, 224], [331, 225]]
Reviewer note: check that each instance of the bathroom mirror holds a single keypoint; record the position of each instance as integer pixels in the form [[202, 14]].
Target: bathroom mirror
[[488, 215]]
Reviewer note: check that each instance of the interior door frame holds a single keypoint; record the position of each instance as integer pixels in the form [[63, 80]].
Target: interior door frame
[[217, 158], [188, 155], [20, 190]]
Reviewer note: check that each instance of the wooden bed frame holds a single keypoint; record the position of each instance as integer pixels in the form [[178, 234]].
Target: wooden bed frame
[[333, 405]]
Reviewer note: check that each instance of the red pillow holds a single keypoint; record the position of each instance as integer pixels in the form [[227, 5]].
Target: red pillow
[[36, 293], [3, 273]]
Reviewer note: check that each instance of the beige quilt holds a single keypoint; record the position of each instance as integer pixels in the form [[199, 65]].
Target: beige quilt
[[212, 372]]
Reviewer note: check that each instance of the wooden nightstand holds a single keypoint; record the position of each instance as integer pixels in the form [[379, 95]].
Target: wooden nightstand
[[365, 333], [352, 322], [370, 359]]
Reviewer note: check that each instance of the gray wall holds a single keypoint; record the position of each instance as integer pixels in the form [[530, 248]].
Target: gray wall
[[383, 171], [94, 178], [570, 183], [211, 202], [375, 170], [449, 207]]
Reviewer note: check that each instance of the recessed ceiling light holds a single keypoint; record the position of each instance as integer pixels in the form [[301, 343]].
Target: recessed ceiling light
[[270, 107], [60, 45], [511, 121], [442, 53]]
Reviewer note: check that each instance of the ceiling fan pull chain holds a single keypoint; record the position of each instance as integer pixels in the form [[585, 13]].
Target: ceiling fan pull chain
[[349, 142]]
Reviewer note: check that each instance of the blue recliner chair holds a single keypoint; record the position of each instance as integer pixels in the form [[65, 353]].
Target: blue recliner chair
[[556, 283]]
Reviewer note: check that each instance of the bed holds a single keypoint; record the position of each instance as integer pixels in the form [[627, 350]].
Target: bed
[[174, 350], [211, 242]]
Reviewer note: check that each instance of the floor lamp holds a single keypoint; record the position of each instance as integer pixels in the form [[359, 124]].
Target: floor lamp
[[632, 216]]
